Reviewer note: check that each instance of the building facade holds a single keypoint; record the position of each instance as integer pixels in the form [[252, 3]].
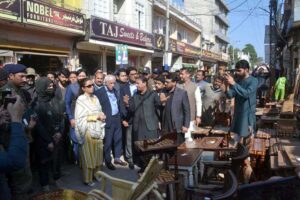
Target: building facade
[[288, 39], [184, 48], [40, 34], [213, 17], [48, 35], [111, 24]]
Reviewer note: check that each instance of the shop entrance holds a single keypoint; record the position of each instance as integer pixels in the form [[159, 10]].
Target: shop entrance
[[41, 63], [90, 62], [111, 64]]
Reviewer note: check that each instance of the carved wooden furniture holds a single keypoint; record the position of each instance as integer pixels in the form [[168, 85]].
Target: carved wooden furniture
[[235, 162], [188, 164], [164, 146], [201, 132], [206, 143], [257, 153], [284, 156], [127, 190]]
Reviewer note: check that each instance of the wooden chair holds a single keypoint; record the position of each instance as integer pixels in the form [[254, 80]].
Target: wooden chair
[[235, 163], [127, 190], [217, 191]]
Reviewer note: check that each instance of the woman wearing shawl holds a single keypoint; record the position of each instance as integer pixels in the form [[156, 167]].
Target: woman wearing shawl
[[89, 129], [50, 111]]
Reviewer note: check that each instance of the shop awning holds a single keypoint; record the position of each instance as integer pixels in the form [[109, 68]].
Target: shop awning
[[110, 44], [41, 54], [207, 59], [6, 53], [32, 47]]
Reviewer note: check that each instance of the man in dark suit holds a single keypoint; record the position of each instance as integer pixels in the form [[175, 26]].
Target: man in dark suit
[[109, 101], [176, 115], [143, 106], [126, 92]]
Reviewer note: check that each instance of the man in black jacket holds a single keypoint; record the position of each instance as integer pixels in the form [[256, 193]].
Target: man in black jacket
[[143, 106], [176, 115]]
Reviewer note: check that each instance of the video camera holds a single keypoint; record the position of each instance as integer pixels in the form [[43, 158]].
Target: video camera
[[5, 97]]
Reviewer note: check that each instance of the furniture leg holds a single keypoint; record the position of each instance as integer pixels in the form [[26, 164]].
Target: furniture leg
[[191, 177]]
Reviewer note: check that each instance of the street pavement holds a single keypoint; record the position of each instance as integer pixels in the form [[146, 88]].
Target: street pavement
[[72, 178]]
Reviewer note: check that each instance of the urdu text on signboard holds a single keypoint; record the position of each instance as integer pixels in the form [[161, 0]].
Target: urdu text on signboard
[[43, 14]]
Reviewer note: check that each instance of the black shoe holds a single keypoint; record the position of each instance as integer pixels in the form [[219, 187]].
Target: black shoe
[[131, 166], [110, 166], [120, 162]]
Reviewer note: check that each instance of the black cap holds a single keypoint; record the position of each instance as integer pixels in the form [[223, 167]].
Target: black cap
[[15, 68]]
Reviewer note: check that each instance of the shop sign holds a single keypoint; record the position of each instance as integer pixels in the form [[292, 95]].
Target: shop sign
[[183, 48], [105, 29], [121, 54], [212, 55], [159, 41], [10, 9], [43, 14]]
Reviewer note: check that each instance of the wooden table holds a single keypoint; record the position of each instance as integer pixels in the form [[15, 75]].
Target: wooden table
[[188, 163], [206, 143], [201, 131], [271, 120]]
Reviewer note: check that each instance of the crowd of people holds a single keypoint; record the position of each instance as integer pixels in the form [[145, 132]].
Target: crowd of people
[[101, 115]]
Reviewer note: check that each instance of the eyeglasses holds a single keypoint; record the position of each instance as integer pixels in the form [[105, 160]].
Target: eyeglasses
[[89, 86]]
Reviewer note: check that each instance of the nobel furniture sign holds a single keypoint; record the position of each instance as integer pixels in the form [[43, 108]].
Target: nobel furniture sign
[[40, 13], [105, 29], [10, 9]]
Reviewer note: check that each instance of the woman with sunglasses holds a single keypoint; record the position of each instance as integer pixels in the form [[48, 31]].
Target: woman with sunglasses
[[89, 128]]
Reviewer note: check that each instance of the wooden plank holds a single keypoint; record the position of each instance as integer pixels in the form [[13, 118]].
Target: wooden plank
[[288, 107], [283, 160], [274, 163], [293, 152]]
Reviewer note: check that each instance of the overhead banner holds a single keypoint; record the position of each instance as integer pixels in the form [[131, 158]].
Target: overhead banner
[[43, 14], [10, 9], [105, 29]]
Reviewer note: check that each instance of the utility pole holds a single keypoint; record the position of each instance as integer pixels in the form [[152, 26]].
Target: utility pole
[[272, 41], [167, 34]]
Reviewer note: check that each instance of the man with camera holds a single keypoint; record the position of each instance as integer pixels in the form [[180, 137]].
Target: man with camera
[[243, 89], [14, 156], [20, 180]]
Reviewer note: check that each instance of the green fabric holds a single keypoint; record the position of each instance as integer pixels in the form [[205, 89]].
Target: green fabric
[[279, 94], [280, 83]]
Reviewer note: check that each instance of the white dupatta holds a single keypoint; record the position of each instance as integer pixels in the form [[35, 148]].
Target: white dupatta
[[88, 107]]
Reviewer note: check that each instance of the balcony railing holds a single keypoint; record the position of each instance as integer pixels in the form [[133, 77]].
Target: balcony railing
[[223, 18], [221, 35], [182, 11]]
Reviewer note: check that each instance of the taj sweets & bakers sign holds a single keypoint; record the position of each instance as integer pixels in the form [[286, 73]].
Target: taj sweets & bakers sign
[[105, 29], [43, 14]]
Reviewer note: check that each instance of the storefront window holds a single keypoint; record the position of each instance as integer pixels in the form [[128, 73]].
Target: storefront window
[[41, 63], [90, 62]]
